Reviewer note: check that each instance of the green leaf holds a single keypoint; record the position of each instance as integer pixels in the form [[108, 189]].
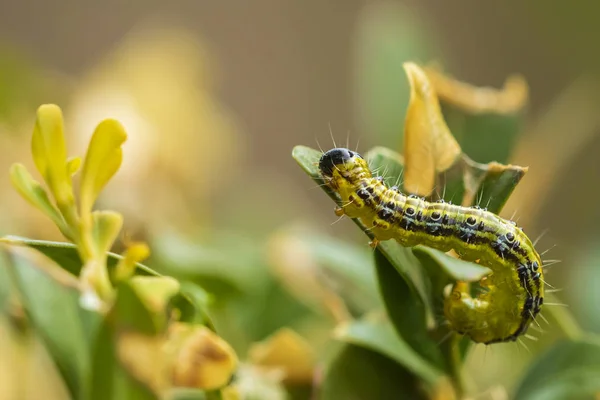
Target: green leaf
[[484, 137], [132, 312], [447, 269], [568, 370], [67, 257], [65, 254], [407, 311], [209, 261], [361, 374], [377, 334], [193, 302], [51, 298], [497, 184], [110, 380]]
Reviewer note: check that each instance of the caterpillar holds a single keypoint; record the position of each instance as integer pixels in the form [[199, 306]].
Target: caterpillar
[[513, 293]]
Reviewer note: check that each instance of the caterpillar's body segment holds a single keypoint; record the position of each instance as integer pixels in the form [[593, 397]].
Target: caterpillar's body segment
[[515, 288]]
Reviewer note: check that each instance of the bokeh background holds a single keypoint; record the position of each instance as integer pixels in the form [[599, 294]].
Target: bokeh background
[[215, 94]]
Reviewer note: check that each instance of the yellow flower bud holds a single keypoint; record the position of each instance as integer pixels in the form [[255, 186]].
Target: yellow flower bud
[[135, 253]]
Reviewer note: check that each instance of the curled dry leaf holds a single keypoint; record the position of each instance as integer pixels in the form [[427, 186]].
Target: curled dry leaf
[[189, 356], [199, 358], [143, 357], [512, 98], [287, 351], [429, 147]]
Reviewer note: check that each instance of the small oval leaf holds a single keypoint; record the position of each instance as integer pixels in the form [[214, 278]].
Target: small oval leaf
[[377, 334], [568, 370]]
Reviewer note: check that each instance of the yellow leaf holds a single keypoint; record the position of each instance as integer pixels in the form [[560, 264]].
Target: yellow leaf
[[102, 161], [106, 226], [155, 291], [429, 147], [50, 152]]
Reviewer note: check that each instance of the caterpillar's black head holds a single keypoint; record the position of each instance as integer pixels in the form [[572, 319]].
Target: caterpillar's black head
[[338, 158]]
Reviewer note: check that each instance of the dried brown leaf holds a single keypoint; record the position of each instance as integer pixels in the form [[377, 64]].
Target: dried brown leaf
[[513, 97], [429, 147]]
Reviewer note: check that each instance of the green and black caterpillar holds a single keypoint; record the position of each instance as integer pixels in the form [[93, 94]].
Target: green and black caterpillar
[[514, 291]]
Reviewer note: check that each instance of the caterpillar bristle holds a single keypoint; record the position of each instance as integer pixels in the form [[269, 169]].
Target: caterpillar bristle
[[348, 139], [446, 337], [331, 134], [541, 235], [547, 250], [338, 220], [524, 345], [535, 320], [319, 145], [538, 328], [557, 304], [554, 290], [530, 337], [547, 284]]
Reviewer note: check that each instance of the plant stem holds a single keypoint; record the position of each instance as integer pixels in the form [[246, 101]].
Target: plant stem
[[453, 359]]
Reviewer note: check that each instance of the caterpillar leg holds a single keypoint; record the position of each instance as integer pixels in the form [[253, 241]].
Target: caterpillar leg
[[373, 243], [339, 211]]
